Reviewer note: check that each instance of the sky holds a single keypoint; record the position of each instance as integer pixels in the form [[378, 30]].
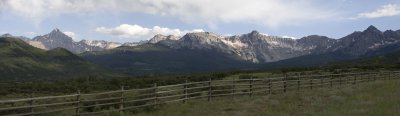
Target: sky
[[136, 20]]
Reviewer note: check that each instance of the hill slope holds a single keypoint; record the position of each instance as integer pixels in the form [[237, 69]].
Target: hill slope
[[388, 60], [18, 60], [155, 59]]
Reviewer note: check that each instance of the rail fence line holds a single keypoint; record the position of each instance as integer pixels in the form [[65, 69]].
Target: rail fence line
[[133, 99]]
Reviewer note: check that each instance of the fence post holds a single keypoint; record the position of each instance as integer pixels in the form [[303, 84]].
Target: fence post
[[233, 87], [311, 82], [331, 80], [185, 91], [121, 105], [209, 90], [322, 82], [370, 78], [363, 77], [374, 76], [13, 105], [390, 75], [251, 86], [340, 80], [298, 83], [355, 79], [31, 105], [78, 100], [269, 87], [155, 94], [346, 78], [284, 84]]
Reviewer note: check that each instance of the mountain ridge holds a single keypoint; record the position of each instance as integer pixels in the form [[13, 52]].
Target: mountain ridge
[[253, 46], [263, 51], [207, 51], [57, 38]]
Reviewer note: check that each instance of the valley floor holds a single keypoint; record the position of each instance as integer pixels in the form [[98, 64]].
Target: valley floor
[[379, 98]]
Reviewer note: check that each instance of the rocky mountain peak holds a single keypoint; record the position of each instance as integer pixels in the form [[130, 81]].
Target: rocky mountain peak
[[314, 37], [56, 30], [7, 35], [200, 36], [158, 35], [254, 32], [57, 38], [54, 36], [157, 38], [372, 29], [398, 31], [253, 36]]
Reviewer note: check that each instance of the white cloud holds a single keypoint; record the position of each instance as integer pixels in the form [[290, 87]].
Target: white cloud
[[73, 35], [384, 11], [139, 32], [30, 34], [211, 12]]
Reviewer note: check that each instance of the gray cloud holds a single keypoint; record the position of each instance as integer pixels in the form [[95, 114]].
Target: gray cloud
[[211, 12]]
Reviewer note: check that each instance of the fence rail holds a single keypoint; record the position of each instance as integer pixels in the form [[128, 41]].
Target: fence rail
[[123, 100]]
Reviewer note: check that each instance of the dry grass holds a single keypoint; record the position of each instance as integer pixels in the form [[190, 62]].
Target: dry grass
[[374, 98]]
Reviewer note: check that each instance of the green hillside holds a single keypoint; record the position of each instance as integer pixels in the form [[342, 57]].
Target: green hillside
[[18, 60], [156, 59], [389, 60]]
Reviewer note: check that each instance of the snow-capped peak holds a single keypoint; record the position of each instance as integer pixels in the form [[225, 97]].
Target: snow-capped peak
[[285, 36]]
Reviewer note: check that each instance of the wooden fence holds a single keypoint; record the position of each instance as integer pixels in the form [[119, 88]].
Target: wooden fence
[[134, 99]]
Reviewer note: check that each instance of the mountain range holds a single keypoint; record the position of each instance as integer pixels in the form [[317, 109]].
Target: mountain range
[[207, 51], [259, 48], [360, 44], [57, 38], [249, 51]]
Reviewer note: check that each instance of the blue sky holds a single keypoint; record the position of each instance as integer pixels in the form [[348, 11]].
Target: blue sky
[[135, 20]]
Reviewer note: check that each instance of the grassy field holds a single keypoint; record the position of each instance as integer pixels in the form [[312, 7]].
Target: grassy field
[[376, 99]]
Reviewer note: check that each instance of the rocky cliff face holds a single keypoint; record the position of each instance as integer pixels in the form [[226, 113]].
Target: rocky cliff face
[[259, 48], [101, 44], [316, 43], [254, 47], [56, 38], [158, 38], [359, 43], [209, 51]]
